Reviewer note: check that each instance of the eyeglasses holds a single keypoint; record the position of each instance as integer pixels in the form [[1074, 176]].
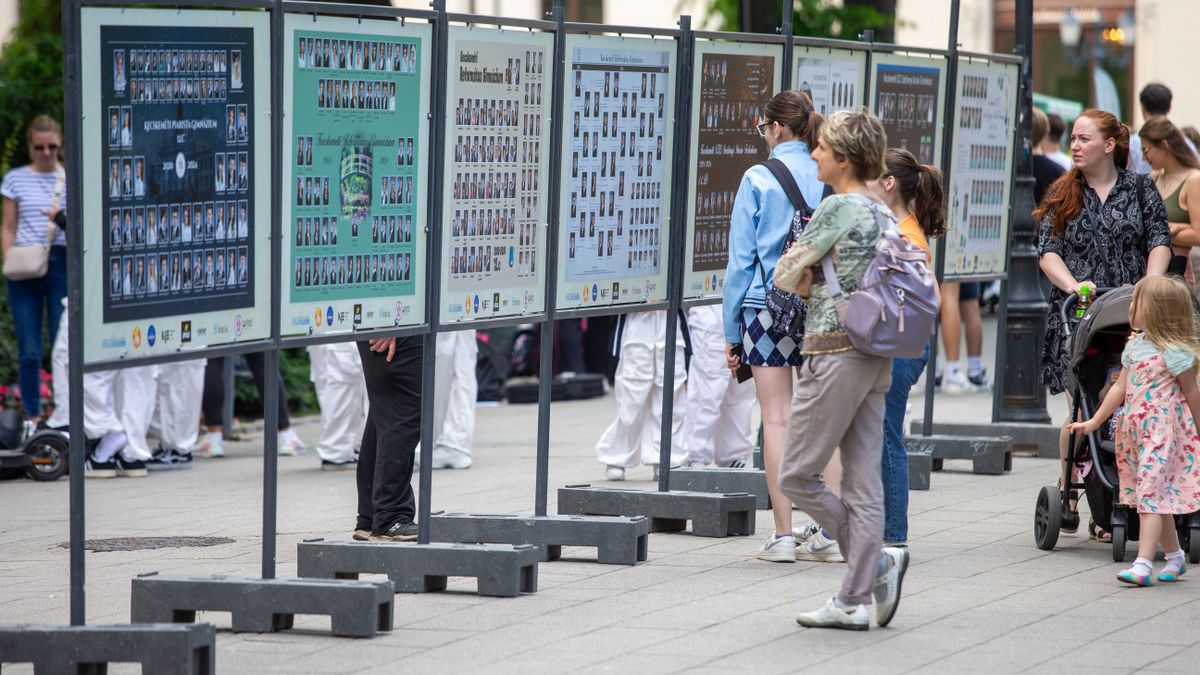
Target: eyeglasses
[[762, 127], [53, 147]]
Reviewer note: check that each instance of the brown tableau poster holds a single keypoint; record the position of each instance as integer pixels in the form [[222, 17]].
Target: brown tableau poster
[[733, 90]]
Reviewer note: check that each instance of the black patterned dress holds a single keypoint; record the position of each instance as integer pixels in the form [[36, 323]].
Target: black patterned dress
[[1108, 244]]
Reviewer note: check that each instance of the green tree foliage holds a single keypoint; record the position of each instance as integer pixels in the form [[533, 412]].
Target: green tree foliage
[[813, 18], [31, 76]]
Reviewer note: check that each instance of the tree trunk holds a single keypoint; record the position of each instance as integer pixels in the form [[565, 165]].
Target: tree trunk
[[884, 7]]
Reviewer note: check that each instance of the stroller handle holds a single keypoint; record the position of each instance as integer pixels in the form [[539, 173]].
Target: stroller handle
[[1069, 304]]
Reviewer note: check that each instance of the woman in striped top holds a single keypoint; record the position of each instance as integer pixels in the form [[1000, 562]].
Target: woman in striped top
[[31, 194]]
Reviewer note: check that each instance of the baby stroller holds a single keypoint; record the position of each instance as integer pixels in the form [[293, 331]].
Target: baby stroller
[[41, 456], [1096, 342]]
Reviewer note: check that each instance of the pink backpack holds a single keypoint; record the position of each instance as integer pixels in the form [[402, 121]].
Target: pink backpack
[[893, 311]]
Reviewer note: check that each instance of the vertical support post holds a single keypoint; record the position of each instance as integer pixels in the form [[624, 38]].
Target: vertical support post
[[546, 353], [71, 22], [676, 241], [1021, 394], [868, 36], [433, 270], [939, 263], [271, 400], [227, 396], [786, 30]]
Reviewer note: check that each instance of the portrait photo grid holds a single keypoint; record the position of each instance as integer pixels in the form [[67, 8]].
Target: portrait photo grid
[[617, 132], [495, 200], [178, 207]]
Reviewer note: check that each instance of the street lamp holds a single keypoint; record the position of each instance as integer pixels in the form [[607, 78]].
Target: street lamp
[[1070, 31], [1113, 44]]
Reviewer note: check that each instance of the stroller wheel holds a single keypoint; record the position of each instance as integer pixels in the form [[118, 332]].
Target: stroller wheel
[[1047, 518], [1118, 543], [1194, 545]]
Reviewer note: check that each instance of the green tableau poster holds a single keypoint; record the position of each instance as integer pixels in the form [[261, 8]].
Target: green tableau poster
[[355, 193]]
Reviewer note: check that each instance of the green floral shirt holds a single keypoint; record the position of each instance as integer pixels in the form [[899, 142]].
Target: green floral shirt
[[844, 226]]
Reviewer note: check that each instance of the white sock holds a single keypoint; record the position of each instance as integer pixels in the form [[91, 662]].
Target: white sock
[[1142, 566], [954, 370], [110, 444], [974, 365]]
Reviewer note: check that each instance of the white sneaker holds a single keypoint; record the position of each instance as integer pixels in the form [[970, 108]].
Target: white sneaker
[[887, 584], [805, 532], [853, 617], [213, 445], [615, 473], [819, 548], [781, 549], [290, 444], [450, 459], [957, 384]]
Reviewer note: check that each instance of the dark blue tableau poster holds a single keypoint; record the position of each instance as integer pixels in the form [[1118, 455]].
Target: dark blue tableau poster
[[179, 164]]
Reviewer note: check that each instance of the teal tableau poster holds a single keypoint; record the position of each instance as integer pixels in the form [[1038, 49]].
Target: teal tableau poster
[[355, 193]]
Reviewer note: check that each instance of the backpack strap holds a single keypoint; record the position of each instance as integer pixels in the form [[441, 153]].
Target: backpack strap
[[785, 178], [885, 225]]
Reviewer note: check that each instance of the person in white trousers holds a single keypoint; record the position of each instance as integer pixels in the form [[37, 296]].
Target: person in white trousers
[[112, 456], [180, 395], [454, 400], [717, 418], [635, 435], [336, 372]]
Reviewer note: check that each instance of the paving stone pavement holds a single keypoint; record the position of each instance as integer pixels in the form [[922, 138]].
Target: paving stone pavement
[[979, 597]]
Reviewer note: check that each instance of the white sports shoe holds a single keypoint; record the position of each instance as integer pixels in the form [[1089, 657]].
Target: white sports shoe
[[956, 384], [615, 473], [853, 617], [887, 584], [782, 549], [213, 445], [450, 459], [290, 444], [819, 548], [806, 531]]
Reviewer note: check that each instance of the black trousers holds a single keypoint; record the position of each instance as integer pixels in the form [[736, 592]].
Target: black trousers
[[393, 430], [214, 389]]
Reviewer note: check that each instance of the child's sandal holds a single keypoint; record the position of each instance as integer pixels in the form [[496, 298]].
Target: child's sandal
[[1097, 533], [1133, 578]]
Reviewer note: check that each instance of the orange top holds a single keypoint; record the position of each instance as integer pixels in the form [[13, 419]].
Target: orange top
[[911, 230]]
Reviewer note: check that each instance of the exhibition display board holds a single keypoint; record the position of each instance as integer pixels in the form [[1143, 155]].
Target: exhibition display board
[[618, 126], [731, 82], [176, 168], [907, 93], [981, 169], [834, 78], [355, 169], [497, 169]]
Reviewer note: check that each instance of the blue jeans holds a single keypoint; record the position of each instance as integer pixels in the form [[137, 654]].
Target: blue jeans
[[905, 373], [27, 299]]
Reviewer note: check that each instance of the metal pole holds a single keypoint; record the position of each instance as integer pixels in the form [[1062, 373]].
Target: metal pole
[[271, 400], [1021, 394], [546, 354], [868, 36], [227, 395], [678, 235], [73, 105], [433, 275], [939, 263], [789, 20]]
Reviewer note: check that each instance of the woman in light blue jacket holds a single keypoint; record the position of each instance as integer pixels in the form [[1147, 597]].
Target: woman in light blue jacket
[[762, 215]]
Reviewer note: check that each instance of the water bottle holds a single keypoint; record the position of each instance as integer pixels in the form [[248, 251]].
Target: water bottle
[[1084, 302]]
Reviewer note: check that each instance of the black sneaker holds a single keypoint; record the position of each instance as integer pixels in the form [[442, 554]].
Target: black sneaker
[[164, 460], [401, 530], [347, 465], [94, 468], [130, 468]]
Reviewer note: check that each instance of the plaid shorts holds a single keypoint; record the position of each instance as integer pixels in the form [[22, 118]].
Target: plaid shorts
[[764, 346]]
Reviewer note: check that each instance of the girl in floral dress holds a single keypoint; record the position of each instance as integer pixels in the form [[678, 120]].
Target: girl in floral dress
[[1157, 445]]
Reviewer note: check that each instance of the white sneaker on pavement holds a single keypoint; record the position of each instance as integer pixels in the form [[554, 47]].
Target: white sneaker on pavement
[[806, 531], [957, 384], [290, 444], [852, 617], [450, 459], [819, 548], [212, 445], [615, 473], [778, 549], [888, 583]]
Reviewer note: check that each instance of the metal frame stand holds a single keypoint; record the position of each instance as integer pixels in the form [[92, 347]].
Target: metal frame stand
[[712, 514]]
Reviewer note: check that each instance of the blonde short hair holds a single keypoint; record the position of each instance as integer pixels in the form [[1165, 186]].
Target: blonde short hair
[[858, 136]]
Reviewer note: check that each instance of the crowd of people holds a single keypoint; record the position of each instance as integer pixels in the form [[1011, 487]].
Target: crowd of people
[[804, 226]]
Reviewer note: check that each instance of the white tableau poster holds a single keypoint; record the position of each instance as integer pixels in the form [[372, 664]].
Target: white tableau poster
[[833, 78], [981, 170], [616, 171], [498, 103]]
